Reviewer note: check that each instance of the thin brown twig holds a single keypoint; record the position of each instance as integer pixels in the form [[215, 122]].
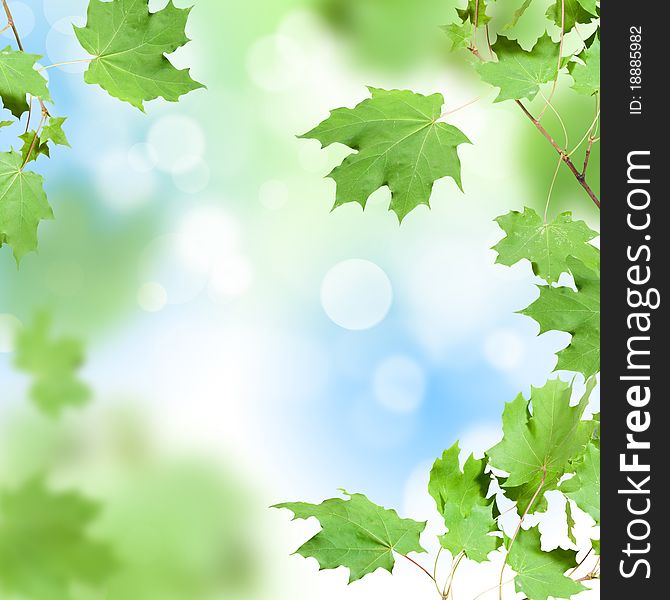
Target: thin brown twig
[[566, 159], [33, 142], [420, 566], [17, 37]]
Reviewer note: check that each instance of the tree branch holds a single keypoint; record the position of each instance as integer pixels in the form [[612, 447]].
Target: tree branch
[[566, 159], [17, 37], [579, 176]]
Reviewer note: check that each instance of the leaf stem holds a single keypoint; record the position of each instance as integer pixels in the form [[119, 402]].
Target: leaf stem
[[67, 62], [560, 59], [419, 566], [32, 144], [448, 586]]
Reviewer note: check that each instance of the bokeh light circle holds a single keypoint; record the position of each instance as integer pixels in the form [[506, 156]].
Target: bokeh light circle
[[195, 179], [55, 10], [152, 297], [356, 294], [63, 47], [177, 142], [273, 194]]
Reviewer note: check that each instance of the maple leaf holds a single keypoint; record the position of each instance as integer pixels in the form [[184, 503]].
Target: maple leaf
[[578, 313], [474, 12], [18, 78], [36, 143], [23, 204], [459, 34], [399, 143], [129, 45], [44, 544], [586, 72], [356, 534], [576, 12], [584, 487], [546, 245], [461, 499], [538, 447], [541, 575], [519, 73], [54, 365]]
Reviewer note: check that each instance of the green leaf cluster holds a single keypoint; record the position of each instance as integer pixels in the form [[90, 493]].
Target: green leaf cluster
[[128, 45]]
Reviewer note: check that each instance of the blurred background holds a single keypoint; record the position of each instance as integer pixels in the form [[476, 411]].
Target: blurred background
[[244, 345]]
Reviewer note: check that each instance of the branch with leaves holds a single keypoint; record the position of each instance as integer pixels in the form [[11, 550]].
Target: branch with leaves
[[399, 139], [128, 61]]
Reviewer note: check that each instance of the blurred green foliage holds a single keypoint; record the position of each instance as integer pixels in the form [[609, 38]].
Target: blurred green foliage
[[53, 363], [44, 544], [392, 34]]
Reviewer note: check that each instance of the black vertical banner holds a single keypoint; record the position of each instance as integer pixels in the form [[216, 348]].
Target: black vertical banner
[[635, 242]]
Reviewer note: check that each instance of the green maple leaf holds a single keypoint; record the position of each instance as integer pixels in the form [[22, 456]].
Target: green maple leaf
[[570, 520], [465, 489], [356, 534], [460, 34], [461, 499], [129, 45], [576, 12], [474, 12], [584, 487], [518, 13], [519, 73], [587, 72], [32, 147], [23, 204], [538, 447], [53, 363], [472, 534], [541, 575], [546, 245], [53, 132], [578, 313], [36, 143], [4, 124], [18, 78], [44, 544], [399, 143]]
